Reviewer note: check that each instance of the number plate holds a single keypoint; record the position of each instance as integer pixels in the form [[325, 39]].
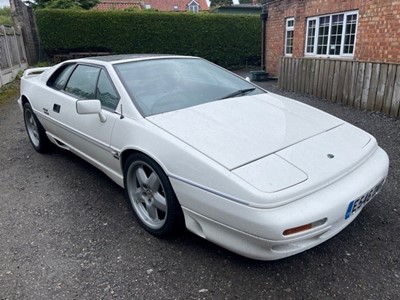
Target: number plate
[[359, 203]]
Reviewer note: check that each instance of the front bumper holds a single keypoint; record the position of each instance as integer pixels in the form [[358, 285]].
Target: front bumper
[[258, 233]]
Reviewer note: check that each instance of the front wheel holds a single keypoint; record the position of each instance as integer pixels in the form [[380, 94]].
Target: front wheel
[[37, 134], [151, 195]]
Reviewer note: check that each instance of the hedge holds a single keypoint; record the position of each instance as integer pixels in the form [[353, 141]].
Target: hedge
[[228, 40]]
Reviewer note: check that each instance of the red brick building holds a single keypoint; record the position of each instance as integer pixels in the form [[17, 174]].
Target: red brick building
[[336, 29], [117, 4], [194, 6], [176, 5]]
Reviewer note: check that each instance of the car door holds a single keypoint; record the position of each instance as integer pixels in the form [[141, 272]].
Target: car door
[[87, 134]]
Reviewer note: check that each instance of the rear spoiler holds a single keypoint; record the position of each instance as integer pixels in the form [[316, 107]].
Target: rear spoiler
[[35, 71]]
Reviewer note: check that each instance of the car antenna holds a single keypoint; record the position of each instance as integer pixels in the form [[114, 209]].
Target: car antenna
[[122, 114]]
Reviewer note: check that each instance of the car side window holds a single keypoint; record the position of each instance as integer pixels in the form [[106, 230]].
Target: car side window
[[83, 81], [60, 77], [106, 92]]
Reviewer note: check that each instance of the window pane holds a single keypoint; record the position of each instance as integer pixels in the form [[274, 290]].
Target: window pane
[[105, 92], [59, 79], [323, 32], [162, 85], [289, 42], [289, 36], [193, 8], [83, 82], [311, 36], [336, 34], [351, 23]]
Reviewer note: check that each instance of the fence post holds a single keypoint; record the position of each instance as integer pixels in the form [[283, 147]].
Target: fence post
[[7, 48], [16, 47]]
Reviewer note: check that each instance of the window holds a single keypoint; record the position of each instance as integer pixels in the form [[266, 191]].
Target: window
[[106, 92], [161, 85], [89, 82], [289, 36], [60, 77], [332, 35], [193, 6], [82, 82]]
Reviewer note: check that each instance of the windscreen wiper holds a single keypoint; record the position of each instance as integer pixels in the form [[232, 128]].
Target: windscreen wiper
[[238, 93]]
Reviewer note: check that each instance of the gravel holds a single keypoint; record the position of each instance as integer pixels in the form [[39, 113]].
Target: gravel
[[66, 232]]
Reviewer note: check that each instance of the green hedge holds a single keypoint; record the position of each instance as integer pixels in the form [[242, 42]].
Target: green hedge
[[228, 40]]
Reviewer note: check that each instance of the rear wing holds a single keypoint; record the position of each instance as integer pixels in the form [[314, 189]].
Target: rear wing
[[34, 71]]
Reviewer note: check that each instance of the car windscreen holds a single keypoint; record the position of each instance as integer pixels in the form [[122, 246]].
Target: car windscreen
[[162, 85]]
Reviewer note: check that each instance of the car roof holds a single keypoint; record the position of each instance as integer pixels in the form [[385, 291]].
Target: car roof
[[129, 57]]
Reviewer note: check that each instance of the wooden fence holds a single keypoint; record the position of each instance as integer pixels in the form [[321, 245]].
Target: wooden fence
[[365, 85], [12, 54]]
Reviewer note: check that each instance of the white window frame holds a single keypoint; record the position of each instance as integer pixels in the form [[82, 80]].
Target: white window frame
[[193, 6], [317, 24], [288, 29]]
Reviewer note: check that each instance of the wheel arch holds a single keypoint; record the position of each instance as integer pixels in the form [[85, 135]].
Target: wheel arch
[[174, 225], [128, 152], [24, 100], [124, 156]]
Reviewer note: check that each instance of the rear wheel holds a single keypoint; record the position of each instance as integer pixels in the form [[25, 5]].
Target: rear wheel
[[37, 134], [151, 195]]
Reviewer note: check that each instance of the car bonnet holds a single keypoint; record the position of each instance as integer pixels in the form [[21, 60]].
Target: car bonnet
[[237, 131]]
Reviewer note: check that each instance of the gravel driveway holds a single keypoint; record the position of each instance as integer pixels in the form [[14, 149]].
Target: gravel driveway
[[66, 232]]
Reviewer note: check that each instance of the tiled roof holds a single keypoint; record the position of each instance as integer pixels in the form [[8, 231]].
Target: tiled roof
[[169, 5], [117, 4]]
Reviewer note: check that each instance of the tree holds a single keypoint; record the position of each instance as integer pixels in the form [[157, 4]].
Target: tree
[[251, 2], [67, 4], [5, 16], [64, 4], [220, 3]]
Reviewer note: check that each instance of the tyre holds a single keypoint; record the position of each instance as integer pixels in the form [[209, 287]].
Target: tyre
[[151, 196], [36, 133]]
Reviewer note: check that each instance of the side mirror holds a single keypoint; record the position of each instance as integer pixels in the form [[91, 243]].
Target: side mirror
[[86, 107]]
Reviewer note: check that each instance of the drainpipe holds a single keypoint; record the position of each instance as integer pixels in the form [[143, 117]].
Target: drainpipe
[[264, 17], [262, 75]]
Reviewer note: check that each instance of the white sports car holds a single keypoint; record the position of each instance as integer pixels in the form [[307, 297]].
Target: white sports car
[[195, 145]]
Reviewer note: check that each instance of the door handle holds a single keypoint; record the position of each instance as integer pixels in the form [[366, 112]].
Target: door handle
[[56, 108]]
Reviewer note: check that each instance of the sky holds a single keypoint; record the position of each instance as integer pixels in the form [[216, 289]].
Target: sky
[[4, 3]]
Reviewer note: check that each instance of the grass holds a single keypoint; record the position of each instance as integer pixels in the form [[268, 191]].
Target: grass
[[9, 92]]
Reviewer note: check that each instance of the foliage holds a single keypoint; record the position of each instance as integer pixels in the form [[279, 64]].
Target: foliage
[[9, 92], [65, 4], [133, 9], [214, 3], [5, 16], [251, 1], [228, 40], [5, 11], [138, 9]]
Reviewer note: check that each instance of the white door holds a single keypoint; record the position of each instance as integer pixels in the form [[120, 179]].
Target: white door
[[86, 134]]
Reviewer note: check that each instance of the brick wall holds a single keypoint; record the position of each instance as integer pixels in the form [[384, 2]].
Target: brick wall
[[378, 34]]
